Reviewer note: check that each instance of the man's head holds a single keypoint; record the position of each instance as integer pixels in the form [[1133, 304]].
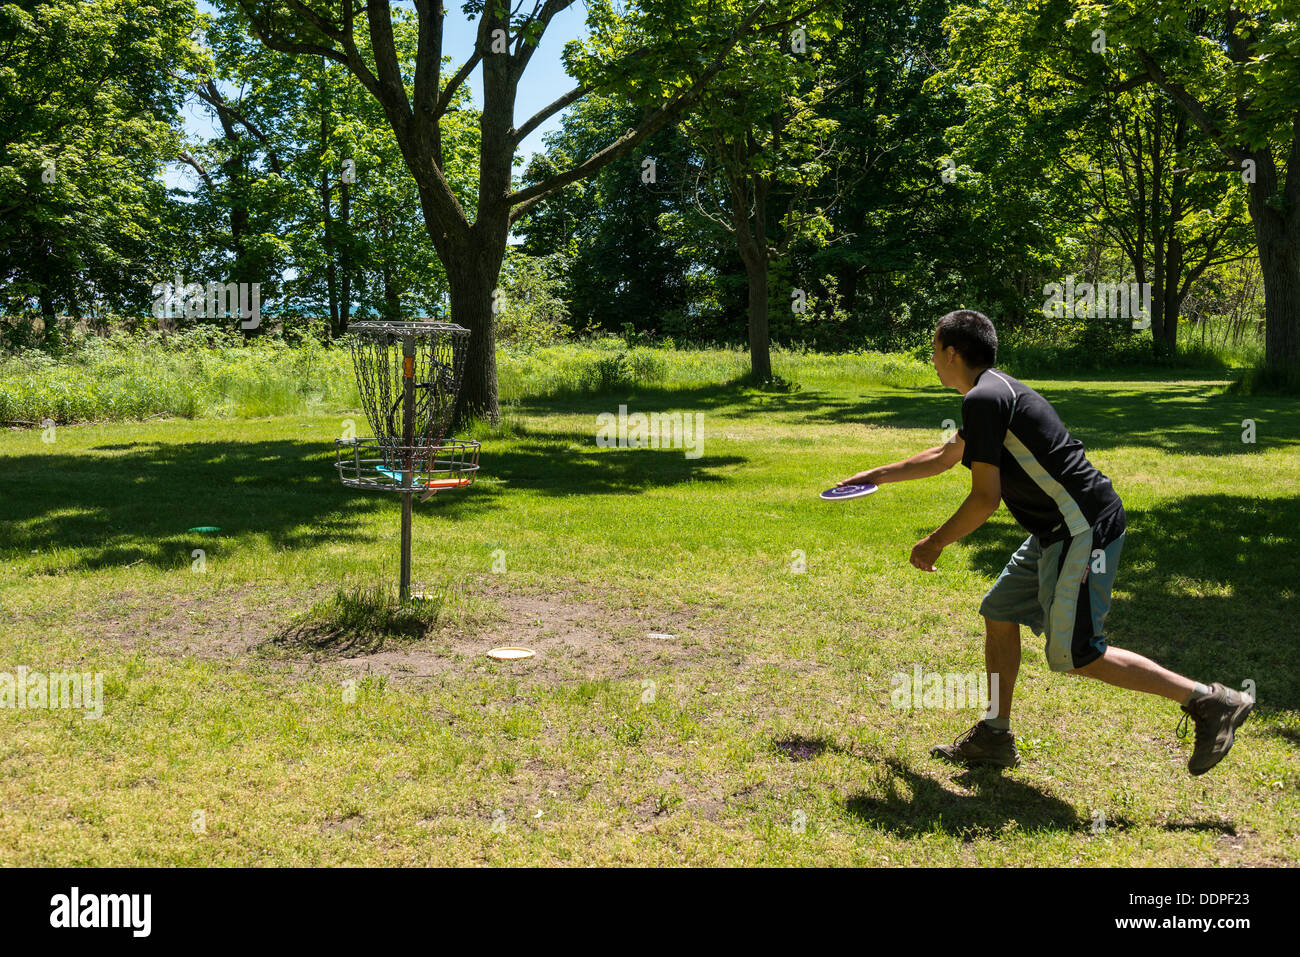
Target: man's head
[[965, 343]]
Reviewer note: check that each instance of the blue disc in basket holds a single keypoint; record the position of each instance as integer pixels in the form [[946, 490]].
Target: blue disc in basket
[[842, 492]]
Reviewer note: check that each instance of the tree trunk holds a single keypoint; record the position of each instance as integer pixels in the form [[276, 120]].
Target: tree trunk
[[472, 274], [1278, 241], [236, 171], [345, 259], [1279, 261], [760, 358], [327, 212], [52, 340], [1162, 229], [331, 269], [392, 298], [1172, 302]]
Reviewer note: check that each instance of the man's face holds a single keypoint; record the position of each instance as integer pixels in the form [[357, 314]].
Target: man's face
[[940, 359]]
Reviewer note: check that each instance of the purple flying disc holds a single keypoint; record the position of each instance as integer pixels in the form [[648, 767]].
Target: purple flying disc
[[841, 492]]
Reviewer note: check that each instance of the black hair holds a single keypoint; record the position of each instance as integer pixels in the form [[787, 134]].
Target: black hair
[[972, 335]]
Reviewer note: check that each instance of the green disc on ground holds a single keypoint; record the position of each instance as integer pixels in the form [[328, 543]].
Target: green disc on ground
[[206, 529]]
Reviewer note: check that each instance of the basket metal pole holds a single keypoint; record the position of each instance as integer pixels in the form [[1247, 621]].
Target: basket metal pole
[[407, 458]]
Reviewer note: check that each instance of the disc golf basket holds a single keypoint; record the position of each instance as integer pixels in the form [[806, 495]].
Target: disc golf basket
[[408, 375]]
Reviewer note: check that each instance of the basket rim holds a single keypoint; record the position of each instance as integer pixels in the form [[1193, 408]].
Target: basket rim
[[418, 447], [378, 327], [374, 470]]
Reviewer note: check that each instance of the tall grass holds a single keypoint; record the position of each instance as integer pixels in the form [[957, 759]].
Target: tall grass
[[197, 375], [364, 617], [606, 366], [202, 374]]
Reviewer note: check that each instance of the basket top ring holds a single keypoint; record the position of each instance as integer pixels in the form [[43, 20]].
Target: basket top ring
[[412, 327]]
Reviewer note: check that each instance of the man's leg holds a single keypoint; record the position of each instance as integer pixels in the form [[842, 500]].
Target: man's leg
[[1014, 596], [1002, 662], [1128, 669], [1075, 634], [991, 741]]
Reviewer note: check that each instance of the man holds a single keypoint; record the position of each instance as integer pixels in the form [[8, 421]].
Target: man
[[1059, 581]]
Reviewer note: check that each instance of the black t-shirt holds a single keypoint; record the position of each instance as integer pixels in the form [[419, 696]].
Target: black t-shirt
[[1048, 484]]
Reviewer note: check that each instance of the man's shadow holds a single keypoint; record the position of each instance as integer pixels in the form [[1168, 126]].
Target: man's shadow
[[914, 804]]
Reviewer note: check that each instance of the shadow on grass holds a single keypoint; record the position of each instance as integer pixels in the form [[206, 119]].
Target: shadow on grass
[[137, 505], [800, 748], [1289, 735], [916, 805], [1203, 827], [325, 640], [361, 620]]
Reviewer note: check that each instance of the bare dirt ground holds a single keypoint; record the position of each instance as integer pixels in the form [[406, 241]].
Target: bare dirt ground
[[573, 639]]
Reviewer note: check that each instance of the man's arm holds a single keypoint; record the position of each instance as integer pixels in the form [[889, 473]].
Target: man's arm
[[922, 465], [985, 495]]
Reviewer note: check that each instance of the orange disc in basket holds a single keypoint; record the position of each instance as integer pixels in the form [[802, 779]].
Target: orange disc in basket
[[446, 483]]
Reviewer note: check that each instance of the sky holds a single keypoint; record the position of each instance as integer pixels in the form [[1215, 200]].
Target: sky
[[544, 81]]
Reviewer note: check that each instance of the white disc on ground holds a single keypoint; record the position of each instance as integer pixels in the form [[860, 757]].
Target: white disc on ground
[[510, 654]]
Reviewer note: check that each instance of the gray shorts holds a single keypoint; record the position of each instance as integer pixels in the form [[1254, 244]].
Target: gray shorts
[[1063, 590]]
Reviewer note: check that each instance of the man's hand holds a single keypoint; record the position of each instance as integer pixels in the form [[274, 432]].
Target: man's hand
[[922, 465], [985, 494], [862, 478], [925, 553]]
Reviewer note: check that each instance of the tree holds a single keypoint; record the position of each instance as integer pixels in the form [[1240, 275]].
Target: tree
[[767, 150], [921, 228], [1171, 222], [1115, 158], [416, 106], [88, 114], [1232, 67], [625, 267], [309, 176], [1236, 73]]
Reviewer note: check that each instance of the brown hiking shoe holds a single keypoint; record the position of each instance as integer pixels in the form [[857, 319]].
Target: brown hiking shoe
[[981, 745], [1217, 716]]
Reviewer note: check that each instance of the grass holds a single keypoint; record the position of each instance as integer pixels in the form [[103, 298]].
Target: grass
[[202, 373], [761, 732], [126, 378], [365, 618]]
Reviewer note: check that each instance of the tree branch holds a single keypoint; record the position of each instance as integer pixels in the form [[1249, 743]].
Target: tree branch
[[428, 60], [1195, 108], [198, 167], [348, 55], [384, 49], [284, 44], [524, 52], [207, 92], [461, 75], [538, 118], [525, 199]]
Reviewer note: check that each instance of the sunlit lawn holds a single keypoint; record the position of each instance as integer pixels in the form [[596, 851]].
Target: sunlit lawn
[[762, 731]]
